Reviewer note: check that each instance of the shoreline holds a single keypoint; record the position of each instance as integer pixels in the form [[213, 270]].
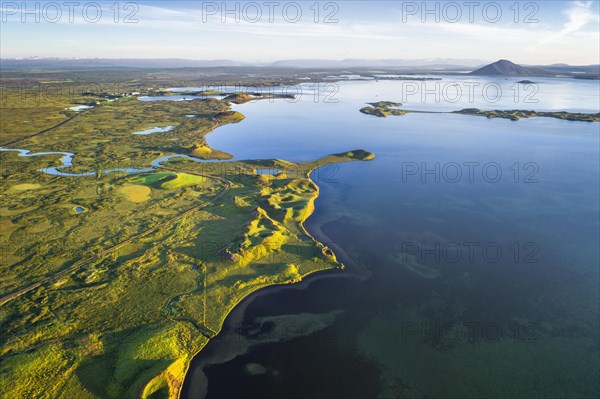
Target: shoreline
[[236, 314], [385, 110], [236, 311]]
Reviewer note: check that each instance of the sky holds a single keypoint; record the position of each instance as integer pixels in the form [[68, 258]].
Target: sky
[[527, 32]]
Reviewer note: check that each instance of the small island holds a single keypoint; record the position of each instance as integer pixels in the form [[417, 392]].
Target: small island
[[383, 109], [515, 115]]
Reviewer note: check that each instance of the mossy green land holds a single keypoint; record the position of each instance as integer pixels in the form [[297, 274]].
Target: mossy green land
[[515, 115], [384, 109], [114, 300]]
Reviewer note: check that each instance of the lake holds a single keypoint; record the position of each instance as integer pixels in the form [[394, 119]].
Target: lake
[[474, 245]]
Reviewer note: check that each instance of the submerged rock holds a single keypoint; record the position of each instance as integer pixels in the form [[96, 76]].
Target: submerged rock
[[255, 369]]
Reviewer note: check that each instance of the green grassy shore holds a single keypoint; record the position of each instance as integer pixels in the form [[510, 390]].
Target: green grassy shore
[[114, 301]]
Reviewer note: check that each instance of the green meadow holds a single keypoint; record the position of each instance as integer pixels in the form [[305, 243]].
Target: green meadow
[[114, 301]]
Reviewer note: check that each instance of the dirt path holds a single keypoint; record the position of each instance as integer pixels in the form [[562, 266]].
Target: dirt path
[[45, 130]]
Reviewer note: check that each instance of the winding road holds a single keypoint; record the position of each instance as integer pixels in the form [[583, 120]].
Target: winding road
[[69, 119]]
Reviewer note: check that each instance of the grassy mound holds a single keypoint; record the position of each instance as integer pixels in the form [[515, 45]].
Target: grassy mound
[[229, 117], [239, 98], [293, 201], [170, 180], [203, 151], [358, 155], [136, 193], [261, 236]]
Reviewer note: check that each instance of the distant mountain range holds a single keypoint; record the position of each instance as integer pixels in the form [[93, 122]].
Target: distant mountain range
[[381, 63], [59, 63], [425, 65], [74, 63]]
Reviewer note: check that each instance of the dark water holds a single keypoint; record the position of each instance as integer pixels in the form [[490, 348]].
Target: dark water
[[481, 239]]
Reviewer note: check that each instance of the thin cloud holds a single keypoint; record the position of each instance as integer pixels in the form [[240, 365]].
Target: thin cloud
[[580, 14]]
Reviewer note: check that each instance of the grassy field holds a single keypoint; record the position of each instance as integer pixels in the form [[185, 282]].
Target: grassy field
[[114, 301]]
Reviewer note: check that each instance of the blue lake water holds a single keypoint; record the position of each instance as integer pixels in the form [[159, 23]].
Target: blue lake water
[[154, 130], [80, 107], [480, 236]]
